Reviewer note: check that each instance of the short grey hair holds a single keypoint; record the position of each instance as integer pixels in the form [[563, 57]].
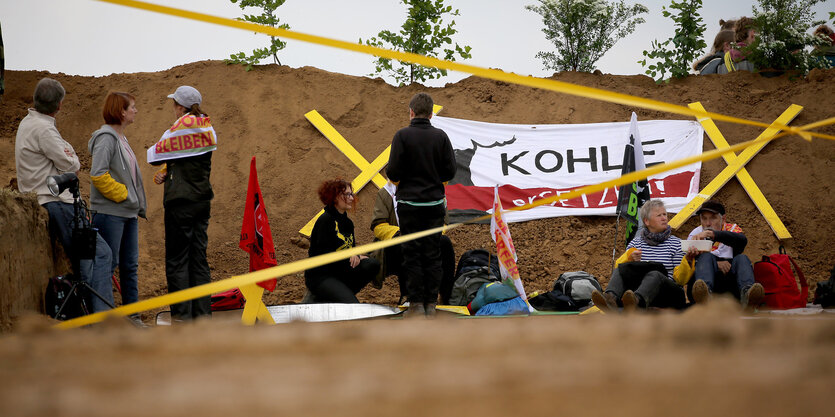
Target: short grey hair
[[48, 96], [648, 207]]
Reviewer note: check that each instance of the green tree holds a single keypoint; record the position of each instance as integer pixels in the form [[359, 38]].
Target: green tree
[[783, 41], [583, 30], [687, 42], [423, 33], [267, 17]]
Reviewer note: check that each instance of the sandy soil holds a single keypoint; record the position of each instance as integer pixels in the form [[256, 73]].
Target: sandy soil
[[706, 361], [261, 113]]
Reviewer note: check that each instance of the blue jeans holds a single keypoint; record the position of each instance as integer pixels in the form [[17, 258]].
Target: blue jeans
[[95, 272], [122, 236], [738, 279]]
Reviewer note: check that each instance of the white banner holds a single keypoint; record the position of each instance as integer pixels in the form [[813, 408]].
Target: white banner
[[530, 162]]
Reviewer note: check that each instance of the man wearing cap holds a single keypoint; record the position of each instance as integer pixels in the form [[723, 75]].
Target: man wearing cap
[[725, 268], [41, 152]]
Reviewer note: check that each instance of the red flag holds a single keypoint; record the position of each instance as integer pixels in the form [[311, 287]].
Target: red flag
[[256, 237]]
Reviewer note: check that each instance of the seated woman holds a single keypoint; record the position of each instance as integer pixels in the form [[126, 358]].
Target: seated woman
[[340, 281], [653, 269]]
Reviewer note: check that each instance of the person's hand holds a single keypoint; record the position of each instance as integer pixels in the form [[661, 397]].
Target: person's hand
[[159, 178], [692, 253], [724, 266], [635, 256], [354, 261], [705, 235]]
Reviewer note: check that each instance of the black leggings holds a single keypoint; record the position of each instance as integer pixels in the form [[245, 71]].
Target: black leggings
[[343, 289]]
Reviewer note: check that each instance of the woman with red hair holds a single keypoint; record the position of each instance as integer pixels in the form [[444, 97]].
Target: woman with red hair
[[117, 195], [340, 281]]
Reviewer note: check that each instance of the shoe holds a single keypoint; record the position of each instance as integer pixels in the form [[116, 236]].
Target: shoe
[[136, 320], [630, 301], [752, 298], [415, 310], [701, 293], [605, 301], [429, 310]]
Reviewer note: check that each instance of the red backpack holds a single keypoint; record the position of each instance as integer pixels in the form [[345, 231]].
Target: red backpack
[[228, 300], [775, 274]]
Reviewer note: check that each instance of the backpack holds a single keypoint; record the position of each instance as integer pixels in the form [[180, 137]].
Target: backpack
[[57, 291], [775, 274], [578, 285], [228, 300], [467, 285], [472, 259]]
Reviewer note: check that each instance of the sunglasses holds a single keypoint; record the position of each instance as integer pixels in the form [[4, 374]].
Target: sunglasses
[[348, 194]]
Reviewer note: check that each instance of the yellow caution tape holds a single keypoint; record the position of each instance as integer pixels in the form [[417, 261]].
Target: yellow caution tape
[[494, 74]]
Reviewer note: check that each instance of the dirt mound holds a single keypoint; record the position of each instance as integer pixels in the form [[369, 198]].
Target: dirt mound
[[261, 113]]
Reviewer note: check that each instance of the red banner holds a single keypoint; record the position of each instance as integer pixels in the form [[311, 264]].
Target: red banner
[[256, 238]]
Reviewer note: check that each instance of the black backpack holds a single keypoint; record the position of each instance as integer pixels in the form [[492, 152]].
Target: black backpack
[[57, 291], [467, 285], [472, 259], [578, 285]]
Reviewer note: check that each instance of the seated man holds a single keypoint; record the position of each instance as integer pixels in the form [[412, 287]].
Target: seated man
[[41, 152], [725, 268], [384, 223], [653, 269]]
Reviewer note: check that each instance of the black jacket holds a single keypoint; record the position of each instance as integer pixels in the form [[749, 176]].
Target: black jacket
[[188, 180], [421, 160], [332, 231]]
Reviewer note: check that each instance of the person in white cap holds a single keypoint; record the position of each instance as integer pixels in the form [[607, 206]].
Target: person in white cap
[[186, 149]]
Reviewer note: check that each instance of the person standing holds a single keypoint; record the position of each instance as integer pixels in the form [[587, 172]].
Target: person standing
[[117, 194], [41, 152], [186, 148], [421, 161]]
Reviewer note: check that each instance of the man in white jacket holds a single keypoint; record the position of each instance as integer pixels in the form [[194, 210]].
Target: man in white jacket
[[41, 152]]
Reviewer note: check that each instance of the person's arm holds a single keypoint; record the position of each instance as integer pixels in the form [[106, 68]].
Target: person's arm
[[59, 151], [393, 168], [449, 166], [737, 241], [104, 147], [383, 210], [684, 271]]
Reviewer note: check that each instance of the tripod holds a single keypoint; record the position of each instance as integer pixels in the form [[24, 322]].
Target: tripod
[[83, 246]]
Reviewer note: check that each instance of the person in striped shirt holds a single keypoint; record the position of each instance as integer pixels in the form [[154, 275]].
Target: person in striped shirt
[[652, 271], [724, 268]]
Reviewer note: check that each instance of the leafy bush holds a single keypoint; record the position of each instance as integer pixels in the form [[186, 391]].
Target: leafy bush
[[687, 42], [783, 41], [423, 33], [583, 30], [267, 17]]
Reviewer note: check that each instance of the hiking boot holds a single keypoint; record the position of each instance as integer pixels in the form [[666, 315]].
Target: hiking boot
[[415, 310], [630, 301], [605, 301], [701, 293], [752, 297], [429, 310]]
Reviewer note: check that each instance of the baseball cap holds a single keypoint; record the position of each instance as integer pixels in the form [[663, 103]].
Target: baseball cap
[[186, 96], [712, 206]]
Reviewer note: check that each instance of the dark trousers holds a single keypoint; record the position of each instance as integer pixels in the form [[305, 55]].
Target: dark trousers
[[654, 289], [422, 267], [394, 257], [186, 240], [344, 288], [738, 279]]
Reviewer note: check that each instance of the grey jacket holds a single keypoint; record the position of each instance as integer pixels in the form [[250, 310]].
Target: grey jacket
[[110, 176]]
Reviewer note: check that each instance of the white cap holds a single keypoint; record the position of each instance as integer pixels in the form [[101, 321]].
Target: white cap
[[186, 96]]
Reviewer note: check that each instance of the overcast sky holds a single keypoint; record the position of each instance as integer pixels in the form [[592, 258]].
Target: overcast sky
[[88, 37]]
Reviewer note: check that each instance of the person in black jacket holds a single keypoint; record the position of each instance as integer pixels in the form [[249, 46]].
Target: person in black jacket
[[421, 161], [340, 281], [187, 200], [725, 268]]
